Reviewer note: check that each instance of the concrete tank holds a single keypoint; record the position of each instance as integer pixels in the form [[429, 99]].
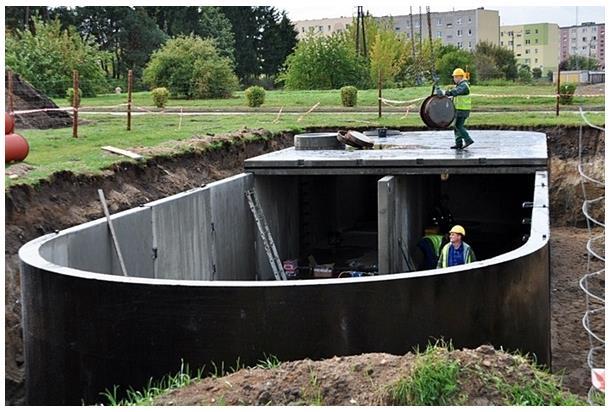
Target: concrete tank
[[200, 287]]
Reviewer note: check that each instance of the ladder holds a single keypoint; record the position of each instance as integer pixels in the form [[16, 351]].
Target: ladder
[[269, 243]]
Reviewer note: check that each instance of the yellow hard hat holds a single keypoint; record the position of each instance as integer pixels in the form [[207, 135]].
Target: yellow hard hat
[[459, 72], [457, 228]]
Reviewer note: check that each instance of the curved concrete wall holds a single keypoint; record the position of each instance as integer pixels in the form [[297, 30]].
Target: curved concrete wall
[[85, 331]]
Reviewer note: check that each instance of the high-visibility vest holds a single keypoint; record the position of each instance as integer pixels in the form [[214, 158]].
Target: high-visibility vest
[[436, 243], [463, 102], [469, 255]]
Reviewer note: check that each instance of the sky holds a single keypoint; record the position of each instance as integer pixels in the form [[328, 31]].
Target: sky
[[564, 13]]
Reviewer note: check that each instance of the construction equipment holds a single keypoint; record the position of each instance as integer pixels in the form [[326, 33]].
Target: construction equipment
[[268, 241]]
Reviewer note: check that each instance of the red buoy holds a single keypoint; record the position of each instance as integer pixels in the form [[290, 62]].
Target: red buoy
[[16, 148], [9, 123]]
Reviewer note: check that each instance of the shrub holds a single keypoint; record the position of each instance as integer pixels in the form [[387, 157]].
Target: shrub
[[537, 73], [255, 96], [70, 94], [524, 75], [160, 96], [191, 67], [349, 96], [567, 90]]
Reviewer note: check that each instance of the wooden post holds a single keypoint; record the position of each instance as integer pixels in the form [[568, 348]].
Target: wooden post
[[129, 100], [558, 97], [11, 106], [379, 85], [75, 103]]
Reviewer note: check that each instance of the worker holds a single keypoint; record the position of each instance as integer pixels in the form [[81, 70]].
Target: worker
[[430, 245], [456, 252], [462, 104]]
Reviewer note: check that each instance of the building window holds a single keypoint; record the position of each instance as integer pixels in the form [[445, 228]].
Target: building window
[[303, 29], [501, 33], [347, 25], [397, 28], [527, 41], [459, 45], [329, 27], [448, 24], [321, 28], [536, 51], [510, 42], [527, 61], [439, 34], [584, 39], [439, 22], [459, 33], [470, 19], [536, 60], [459, 20], [510, 33], [528, 31], [536, 31], [527, 51], [502, 43], [583, 31], [470, 32], [536, 41], [470, 44]]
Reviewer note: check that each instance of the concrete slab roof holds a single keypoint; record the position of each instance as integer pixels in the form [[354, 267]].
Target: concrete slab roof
[[494, 151]]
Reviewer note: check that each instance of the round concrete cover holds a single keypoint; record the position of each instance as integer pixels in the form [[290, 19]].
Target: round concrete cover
[[437, 112], [317, 141]]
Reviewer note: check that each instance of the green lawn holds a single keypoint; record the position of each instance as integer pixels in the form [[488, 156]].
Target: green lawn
[[55, 150], [304, 99]]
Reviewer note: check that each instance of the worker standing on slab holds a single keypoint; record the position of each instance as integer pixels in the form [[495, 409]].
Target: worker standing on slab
[[462, 103], [456, 252]]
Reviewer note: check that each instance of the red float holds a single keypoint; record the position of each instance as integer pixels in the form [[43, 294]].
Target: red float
[[16, 148], [9, 123]]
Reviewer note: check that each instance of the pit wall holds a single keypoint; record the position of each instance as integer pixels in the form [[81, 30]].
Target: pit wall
[[145, 326]]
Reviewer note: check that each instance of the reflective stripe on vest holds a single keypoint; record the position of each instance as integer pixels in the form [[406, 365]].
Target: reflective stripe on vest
[[468, 257], [463, 102]]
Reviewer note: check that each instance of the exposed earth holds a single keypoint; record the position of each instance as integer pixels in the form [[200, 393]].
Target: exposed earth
[[67, 199]]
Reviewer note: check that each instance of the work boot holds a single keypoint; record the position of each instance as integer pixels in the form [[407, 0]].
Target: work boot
[[468, 143], [457, 147]]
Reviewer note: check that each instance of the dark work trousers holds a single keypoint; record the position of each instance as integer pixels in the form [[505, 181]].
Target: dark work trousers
[[458, 128]]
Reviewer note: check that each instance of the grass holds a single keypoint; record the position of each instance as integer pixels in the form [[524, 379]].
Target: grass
[[331, 98], [433, 381], [312, 394], [54, 150], [146, 395], [269, 362]]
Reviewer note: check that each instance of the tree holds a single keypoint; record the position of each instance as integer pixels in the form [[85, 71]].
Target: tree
[[524, 75], [504, 59], [176, 20], [245, 29], [277, 41], [214, 25], [577, 62], [191, 66], [450, 61], [537, 73], [324, 63], [387, 57], [48, 58]]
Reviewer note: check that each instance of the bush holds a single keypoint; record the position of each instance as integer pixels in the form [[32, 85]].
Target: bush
[[160, 96], [537, 73], [70, 94], [524, 75], [567, 90], [255, 96], [191, 67], [349, 96], [457, 58], [320, 63]]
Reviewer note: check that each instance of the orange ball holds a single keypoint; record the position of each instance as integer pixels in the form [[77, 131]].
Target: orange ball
[[9, 123], [16, 148]]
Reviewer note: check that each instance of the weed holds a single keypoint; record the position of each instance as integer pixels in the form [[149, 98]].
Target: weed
[[312, 394], [433, 380], [152, 389], [269, 362]]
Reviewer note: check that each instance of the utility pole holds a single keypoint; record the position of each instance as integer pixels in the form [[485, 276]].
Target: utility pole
[[360, 32]]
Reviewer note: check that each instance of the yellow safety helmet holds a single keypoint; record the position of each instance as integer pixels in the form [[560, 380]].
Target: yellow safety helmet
[[457, 228], [459, 72]]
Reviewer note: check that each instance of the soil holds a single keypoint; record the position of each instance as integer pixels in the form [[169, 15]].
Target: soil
[[66, 199], [351, 380]]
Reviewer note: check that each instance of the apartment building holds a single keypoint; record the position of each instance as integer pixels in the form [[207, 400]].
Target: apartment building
[[537, 45], [322, 27], [587, 40], [461, 28]]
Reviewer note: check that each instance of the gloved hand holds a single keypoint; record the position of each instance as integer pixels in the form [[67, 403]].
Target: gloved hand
[[439, 92]]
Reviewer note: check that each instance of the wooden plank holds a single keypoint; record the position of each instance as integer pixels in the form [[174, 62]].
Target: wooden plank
[[127, 153]]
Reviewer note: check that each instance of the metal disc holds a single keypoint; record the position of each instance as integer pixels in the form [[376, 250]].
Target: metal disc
[[437, 112]]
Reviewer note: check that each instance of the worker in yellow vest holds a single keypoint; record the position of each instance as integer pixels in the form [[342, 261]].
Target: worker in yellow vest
[[462, 104], [456, 252]]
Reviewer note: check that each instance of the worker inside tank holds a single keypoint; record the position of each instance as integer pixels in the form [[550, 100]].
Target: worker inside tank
[[463, 105], [431, 243], [457, 251]]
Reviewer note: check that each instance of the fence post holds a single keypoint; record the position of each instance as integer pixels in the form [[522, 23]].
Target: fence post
[[379, 85], [11, 106], [75, 103], [129, 100], [558, 96]]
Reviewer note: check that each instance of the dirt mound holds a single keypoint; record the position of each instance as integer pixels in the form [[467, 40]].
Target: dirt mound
[[367, 379], [26, 97]]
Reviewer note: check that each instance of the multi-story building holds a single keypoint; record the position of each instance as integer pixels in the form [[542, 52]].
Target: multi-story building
[[322, 27], [586, 40], [461, 28], [537, 45]]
